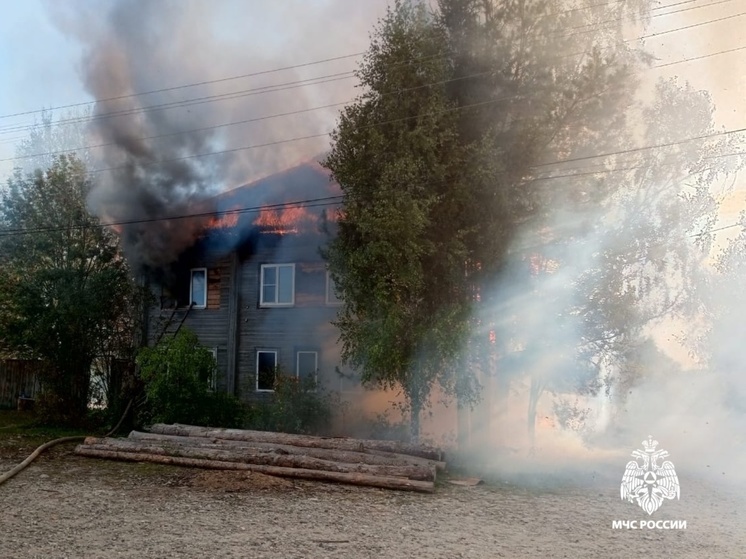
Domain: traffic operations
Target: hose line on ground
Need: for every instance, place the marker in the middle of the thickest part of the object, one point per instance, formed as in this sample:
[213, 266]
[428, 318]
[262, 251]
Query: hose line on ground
[34, 455]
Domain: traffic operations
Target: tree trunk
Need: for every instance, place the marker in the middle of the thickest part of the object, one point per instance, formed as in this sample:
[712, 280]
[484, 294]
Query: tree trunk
[353, 478]
[263, 458]
[356, 445]
[348, 456]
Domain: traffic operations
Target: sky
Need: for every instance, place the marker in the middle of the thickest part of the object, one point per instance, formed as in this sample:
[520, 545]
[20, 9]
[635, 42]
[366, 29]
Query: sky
[42, 52]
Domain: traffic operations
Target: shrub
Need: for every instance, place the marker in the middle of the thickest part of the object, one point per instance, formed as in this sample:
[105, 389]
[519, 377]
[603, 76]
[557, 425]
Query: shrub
[177, 374]
[296, 406]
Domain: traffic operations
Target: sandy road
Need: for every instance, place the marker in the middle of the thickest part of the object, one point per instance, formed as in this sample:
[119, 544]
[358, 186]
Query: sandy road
[67, 506]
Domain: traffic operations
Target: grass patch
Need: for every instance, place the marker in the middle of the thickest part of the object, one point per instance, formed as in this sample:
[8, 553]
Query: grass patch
[23, 429]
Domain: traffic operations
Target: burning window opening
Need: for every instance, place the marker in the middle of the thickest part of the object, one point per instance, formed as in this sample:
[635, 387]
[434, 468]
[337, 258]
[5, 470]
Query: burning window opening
[291, 220]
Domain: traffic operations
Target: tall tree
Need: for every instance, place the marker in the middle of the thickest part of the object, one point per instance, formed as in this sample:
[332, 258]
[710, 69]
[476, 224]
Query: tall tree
[64, 283]
[399, 252]
[560, 242]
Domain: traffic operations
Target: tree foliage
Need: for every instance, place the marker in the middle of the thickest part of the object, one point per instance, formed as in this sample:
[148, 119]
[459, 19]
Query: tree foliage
[496, 207]
[64, 283]
[395, 256]
[178, 373]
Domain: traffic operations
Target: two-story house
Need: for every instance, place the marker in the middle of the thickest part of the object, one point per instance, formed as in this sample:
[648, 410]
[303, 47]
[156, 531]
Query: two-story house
[255, 289]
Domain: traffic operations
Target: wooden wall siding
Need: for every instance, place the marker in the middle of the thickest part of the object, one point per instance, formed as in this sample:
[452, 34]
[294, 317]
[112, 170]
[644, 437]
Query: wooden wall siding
[302, 327]
[213, 288]
[18, 377]
[237, 327]
[210, 324]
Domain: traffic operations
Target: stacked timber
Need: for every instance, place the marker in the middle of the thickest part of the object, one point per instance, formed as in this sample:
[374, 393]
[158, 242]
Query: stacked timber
[385, 464]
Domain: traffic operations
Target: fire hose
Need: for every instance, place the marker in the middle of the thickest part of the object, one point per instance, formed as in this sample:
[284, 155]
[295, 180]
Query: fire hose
[34, 455]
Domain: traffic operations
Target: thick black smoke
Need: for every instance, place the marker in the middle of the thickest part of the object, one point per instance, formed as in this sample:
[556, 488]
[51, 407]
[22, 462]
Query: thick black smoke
[152, 162]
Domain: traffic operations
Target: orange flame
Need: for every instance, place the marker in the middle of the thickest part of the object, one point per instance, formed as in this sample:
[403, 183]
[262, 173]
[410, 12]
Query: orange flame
[224, 221]
[285, 221]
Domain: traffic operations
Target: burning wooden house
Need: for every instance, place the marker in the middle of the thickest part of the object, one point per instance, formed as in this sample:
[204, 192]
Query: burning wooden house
[255, 289]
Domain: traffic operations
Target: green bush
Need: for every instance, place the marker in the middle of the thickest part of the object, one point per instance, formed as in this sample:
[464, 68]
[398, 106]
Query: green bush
[177, 374]
[296, 406]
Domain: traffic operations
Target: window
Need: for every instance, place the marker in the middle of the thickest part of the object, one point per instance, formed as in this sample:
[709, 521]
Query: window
[198, 288]
[277, 285]
[306, 364]
[332, 297]
[266, 366]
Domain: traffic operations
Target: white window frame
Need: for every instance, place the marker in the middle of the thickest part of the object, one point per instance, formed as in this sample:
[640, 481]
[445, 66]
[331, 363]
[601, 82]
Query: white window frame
[262, 302]
[256, 369]
[316, 365]
[203, 305]
[212, 382]
[331, 302]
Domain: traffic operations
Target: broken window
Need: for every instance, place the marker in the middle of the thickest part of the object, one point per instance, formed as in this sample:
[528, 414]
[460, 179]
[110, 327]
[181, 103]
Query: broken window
[266, 367]
[277, 285]
[198, 288]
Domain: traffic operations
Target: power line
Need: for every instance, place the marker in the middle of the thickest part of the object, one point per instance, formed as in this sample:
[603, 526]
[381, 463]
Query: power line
[256, 119]
[184, 86]
[309, 203]
[659, 33]
[300, 111]
[273, 88]
[641, 148]
[297, 83]
[242, 76]
[698, 57]
[319, 80]
[301, 138]
[692, 8]
[620, 19]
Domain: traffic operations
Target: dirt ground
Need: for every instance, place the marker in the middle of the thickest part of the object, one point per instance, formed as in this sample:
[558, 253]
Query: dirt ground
[69, 506]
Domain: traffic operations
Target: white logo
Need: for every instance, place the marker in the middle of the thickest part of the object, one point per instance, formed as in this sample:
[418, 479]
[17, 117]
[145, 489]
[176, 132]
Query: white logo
[649, 484]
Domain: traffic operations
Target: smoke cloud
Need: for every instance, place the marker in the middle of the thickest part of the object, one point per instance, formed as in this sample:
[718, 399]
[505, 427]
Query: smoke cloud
[157, 157]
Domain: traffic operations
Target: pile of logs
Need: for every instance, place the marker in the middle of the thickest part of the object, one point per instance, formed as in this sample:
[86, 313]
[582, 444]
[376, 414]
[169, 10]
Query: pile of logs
[385, 464]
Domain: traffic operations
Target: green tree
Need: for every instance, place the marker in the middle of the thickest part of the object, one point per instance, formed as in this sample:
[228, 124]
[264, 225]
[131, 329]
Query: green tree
[64, 283]
[398, 254]
[473, 150]
[178, 374]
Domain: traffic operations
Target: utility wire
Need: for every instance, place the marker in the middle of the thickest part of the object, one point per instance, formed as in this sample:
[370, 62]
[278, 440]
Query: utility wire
[272, 88]
[309, 203]
[242, 76]
[698, 57]
[640, 148]
[659, 33]
[267, 117]
[256, 119]
[184, 86]
[291, 85]
[319, 80]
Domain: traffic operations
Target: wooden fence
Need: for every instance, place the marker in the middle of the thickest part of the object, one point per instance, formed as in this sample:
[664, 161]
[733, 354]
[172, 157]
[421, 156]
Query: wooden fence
[18, 377]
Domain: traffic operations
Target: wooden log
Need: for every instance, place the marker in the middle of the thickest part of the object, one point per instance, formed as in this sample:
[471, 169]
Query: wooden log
[349, 456]
[358, 445]
[353, 478]
[260, 458]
